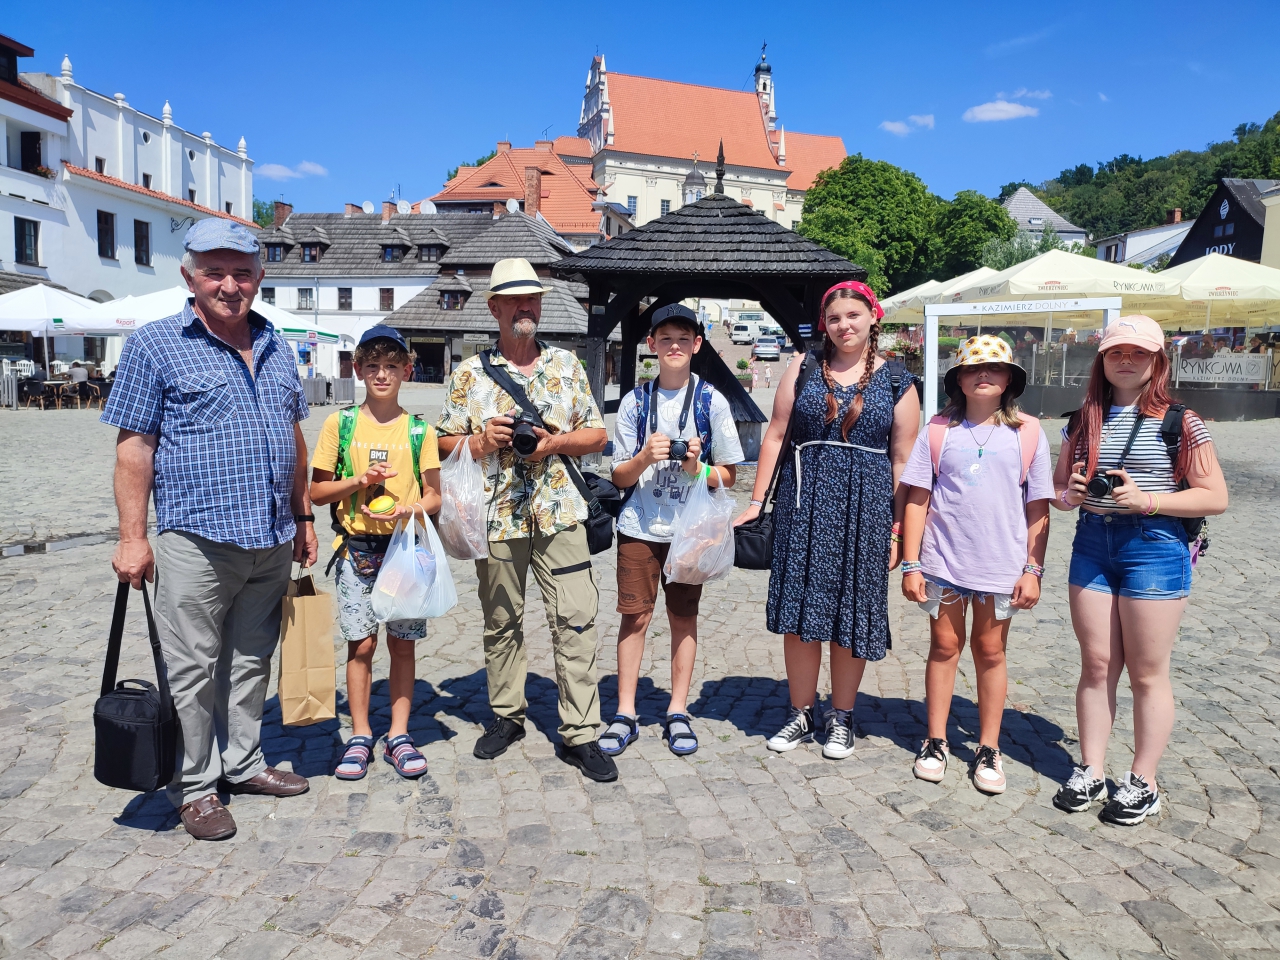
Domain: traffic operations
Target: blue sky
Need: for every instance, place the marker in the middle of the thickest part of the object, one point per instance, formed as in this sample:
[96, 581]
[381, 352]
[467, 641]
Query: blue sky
[347, 102]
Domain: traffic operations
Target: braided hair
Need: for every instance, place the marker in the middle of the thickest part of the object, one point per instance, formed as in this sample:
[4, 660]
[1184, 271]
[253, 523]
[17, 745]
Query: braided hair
[868, 364]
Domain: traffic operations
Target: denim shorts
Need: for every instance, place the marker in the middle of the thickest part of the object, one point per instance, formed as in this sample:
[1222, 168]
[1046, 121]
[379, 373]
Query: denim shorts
[939, 591]
[1131, 555]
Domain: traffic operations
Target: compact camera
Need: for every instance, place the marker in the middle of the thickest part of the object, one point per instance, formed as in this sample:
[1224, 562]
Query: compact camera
[1102, 485]
[679, 450]
[523, 440]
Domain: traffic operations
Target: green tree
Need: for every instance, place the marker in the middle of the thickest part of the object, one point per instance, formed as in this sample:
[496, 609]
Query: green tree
[877, 215]
[453, 172]
[964, 227]
[264, 212]
[999, 254]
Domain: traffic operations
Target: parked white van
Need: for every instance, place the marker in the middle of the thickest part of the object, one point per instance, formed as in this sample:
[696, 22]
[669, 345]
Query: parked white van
[745, 331]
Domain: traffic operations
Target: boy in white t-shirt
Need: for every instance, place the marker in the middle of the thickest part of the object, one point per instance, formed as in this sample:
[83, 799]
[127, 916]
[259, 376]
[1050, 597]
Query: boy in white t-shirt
[668, 434]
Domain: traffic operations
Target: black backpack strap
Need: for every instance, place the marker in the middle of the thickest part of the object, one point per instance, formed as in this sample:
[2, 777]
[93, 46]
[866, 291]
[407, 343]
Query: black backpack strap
[116, 637]
[1171, 429]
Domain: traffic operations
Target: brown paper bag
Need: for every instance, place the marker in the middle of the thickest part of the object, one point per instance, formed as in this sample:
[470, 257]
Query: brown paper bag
[307, 692]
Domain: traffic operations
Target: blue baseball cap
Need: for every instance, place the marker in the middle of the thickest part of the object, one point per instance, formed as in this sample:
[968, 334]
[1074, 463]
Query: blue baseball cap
[675, 313]
[217, 233]
[383, 332]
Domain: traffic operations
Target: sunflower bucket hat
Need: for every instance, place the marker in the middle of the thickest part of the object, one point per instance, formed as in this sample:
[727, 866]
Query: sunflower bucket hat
[985, 349]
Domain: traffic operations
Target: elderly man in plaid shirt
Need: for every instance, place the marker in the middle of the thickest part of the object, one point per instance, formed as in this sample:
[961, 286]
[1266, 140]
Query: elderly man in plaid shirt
[208, 404]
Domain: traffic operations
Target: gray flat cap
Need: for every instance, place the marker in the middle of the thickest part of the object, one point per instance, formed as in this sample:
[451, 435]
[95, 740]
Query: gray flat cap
[216, 233]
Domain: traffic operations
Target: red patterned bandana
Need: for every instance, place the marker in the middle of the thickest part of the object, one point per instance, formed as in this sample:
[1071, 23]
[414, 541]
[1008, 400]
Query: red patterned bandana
[856, 286]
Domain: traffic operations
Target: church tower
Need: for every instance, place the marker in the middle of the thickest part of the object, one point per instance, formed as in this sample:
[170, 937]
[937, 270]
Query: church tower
[765, 92]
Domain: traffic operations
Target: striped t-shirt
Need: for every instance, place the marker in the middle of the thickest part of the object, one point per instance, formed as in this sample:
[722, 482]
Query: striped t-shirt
[1148, 461]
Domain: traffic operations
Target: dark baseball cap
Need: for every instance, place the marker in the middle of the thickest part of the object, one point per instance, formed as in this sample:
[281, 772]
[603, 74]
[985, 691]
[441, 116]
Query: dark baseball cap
[675, 313]
[384, 332]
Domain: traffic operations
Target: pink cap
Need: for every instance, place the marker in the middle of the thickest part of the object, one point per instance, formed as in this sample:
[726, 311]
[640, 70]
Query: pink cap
[1135, 331]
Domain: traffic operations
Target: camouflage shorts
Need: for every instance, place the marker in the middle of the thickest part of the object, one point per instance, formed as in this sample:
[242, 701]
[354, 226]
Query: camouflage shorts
[354, 580]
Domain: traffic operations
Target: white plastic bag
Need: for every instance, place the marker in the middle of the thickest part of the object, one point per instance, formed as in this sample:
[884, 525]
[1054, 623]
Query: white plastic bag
[464, 526]
[409, 570]
[443, 595]
[702, 546]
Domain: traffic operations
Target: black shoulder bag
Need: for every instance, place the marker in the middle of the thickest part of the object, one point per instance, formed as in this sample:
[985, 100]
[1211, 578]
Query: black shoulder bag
[753, 540]
[135, 724]
[595, 489]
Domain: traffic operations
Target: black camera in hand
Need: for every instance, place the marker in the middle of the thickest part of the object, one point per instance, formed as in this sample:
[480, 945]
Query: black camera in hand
[679, 450]
[523, 440]
[1102, 485]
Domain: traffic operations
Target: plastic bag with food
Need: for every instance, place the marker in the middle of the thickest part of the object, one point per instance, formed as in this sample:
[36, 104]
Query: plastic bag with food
[702, 545]
[409, 571]
[464, 527]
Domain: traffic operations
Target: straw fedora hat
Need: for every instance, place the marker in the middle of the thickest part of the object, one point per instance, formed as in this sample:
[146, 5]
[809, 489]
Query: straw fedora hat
[513, 277]
[985, 349]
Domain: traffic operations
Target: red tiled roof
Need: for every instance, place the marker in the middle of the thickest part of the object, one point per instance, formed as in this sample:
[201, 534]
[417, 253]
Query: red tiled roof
[155, 194]
[571, 147]
[808, 154]
[669, 119]
[25, 95]
[567, 191]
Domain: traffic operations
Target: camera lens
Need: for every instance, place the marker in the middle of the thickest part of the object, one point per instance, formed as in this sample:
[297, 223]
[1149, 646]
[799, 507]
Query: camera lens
[679, 450]
[1099, 486]
[523, 440]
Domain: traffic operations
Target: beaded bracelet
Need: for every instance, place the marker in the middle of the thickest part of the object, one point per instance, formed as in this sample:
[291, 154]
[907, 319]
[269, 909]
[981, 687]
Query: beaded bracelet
[910, 566]
[1035, 569]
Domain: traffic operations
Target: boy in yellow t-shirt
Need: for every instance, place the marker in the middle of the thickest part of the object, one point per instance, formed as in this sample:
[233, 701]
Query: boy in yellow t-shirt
[378, 461]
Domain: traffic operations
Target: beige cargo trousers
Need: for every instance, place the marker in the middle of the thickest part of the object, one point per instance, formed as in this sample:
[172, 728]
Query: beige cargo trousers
[561, 564]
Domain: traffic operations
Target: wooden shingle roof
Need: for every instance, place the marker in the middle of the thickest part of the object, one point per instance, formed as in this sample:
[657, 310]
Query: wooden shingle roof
[715, 236]
[511, 235]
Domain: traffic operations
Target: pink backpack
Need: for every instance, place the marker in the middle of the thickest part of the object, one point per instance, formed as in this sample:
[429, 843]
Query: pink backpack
[1028, 436]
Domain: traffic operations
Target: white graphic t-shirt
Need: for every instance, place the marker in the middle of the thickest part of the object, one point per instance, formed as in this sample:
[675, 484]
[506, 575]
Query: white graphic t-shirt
[651, 511]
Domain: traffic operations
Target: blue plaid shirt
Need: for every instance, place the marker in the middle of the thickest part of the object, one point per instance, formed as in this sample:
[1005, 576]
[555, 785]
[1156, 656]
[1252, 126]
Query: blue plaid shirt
[226, 457]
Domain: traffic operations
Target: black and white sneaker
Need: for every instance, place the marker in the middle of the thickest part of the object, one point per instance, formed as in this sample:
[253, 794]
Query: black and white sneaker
[1080, 790]
[840, 740]
[1133, 802]
[797, 730]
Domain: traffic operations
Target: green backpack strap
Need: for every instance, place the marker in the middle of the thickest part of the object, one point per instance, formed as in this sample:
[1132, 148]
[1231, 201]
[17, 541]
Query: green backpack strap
[344, 469]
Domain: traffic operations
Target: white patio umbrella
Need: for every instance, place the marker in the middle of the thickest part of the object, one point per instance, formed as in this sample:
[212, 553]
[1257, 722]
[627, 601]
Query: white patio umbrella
[41, 309]
[908, 306]
[1217, 287]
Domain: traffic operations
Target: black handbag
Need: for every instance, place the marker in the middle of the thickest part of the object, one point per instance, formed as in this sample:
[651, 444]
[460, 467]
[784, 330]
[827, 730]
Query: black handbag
[603, 498]
[134, 722]
[753, 540]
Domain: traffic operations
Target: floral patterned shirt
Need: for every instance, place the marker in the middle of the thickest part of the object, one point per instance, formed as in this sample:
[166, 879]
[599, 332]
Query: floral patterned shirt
[525, 497]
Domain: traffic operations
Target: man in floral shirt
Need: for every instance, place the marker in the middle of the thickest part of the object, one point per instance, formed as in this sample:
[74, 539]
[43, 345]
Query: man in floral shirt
[536, 518]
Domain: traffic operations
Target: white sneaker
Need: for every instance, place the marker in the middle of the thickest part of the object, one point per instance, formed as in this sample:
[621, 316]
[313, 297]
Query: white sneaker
[1134, 801]
[797, 730]
[988, 771]
[931, 761]
[840, 739]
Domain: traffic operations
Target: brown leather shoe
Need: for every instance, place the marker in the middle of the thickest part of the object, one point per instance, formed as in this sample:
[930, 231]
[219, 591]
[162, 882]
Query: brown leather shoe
[272, 783]
[208, 819]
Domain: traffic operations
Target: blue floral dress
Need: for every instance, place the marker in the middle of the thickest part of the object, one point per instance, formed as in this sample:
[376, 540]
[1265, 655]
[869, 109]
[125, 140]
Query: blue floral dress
[830, 572]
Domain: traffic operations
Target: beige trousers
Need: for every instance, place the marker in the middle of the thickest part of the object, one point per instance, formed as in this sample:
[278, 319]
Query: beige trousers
[562, 566]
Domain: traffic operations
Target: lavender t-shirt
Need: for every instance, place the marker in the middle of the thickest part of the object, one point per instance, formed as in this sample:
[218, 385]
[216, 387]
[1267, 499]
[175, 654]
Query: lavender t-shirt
[976, 532]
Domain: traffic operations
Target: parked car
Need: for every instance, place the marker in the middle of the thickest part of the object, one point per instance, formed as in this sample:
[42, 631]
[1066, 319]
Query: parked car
[767, 348]
[744, 332]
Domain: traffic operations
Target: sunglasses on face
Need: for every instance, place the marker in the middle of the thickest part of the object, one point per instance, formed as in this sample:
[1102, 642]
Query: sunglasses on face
[1132, 354]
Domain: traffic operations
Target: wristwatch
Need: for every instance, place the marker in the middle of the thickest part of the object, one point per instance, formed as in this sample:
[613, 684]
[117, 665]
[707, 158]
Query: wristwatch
[304, 518]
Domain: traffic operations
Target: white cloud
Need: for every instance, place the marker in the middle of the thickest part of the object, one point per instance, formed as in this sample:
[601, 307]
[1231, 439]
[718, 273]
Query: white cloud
[999, 110]
[1022, 93]
[1102, 96]
[1014, 43]
[896, 127]
[922, 120]
[278, 171]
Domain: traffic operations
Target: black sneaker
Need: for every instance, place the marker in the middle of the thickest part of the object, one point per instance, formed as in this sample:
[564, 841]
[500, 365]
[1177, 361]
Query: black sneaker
[797, 730]
[1133, 802]
[1080, 790]
[594, 764]
[498, 735]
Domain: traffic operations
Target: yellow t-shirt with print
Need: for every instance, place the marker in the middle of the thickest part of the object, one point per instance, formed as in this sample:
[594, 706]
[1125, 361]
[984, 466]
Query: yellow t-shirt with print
[372, 442]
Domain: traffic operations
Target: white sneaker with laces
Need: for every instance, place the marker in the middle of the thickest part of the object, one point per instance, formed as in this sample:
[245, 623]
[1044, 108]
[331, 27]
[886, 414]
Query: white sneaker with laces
[1133, 802]
[840, 739]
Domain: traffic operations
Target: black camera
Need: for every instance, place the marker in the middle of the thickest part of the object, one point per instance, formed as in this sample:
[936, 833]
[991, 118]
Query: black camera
[523, 440]
[1102, 485]
[679, 450]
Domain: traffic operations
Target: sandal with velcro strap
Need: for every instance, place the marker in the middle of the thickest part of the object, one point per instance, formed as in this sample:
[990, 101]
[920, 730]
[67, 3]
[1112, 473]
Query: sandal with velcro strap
[679, 735]
[620, 734]
[355, 757]
[404, 756]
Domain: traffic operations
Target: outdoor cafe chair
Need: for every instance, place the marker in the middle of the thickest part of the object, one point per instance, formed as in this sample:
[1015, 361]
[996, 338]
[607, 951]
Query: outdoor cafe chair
[45, 397]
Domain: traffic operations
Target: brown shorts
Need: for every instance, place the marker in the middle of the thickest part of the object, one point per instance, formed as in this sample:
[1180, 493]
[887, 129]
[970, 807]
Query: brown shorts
[639, 573]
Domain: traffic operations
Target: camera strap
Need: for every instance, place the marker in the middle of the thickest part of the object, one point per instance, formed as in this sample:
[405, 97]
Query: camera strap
[684, 411]
[1133, 435]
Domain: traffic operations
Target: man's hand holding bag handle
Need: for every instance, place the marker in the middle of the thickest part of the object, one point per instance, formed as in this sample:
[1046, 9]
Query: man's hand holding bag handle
[135, 725]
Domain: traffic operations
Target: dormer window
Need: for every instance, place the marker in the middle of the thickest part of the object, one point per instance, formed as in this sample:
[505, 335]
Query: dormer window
[311, 253]
[275, 252]
[430, 252]
[451, 300]
[392, 254]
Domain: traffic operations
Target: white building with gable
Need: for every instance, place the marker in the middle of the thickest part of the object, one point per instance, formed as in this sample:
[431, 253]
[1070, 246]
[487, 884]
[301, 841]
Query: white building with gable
[96, 195]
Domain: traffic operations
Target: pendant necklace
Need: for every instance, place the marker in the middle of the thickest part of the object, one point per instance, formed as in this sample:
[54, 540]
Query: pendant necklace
[976, 467]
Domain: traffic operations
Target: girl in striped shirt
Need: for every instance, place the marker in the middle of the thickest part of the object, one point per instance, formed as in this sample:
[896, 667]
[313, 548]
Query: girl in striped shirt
[1130, 560]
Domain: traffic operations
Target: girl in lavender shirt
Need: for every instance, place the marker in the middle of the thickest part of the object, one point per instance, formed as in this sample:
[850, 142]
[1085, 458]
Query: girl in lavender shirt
[975, 537]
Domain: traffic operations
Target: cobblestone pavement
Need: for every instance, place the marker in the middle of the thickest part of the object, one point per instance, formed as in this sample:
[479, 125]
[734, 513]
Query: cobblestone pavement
[732, 854]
